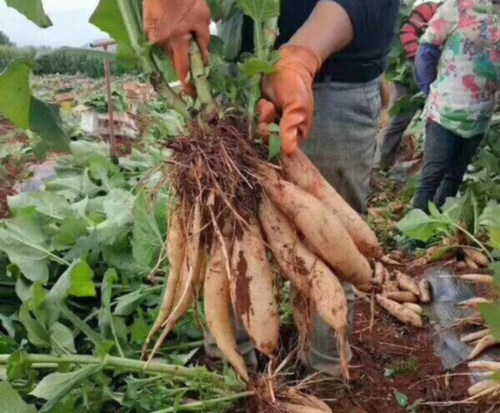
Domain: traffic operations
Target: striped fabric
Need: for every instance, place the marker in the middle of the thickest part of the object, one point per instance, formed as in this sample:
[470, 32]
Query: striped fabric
[416, 25]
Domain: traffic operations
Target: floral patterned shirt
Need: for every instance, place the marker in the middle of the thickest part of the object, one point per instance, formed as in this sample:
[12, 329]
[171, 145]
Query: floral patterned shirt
[462, 98]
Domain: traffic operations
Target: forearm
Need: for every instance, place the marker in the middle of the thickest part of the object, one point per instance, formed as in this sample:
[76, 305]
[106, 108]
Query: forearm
[426, 64]
[327, 31]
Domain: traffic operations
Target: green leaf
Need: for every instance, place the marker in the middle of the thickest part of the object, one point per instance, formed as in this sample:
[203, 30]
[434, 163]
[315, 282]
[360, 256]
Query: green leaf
[71, 230]
[17, 366]
[15, 92]
[260, 10]
[62, 339]
[11, 401]
[32, 10]
[254, 66]
[434, 211]
[140, 329]
[46, 122]
[72, 186]
[418, 225]
[128, 303]
[7, 345]
[37, 334]
[496, 274]
[491, 314]
[147, 240]
[401, 398]
[49, 204]
[108, 18]
[118, 207]
[274, 146]
[56, 386]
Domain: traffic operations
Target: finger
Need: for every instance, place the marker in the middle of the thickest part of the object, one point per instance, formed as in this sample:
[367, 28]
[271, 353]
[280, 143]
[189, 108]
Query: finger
[203, 38]
[266, 111]
[180, 54]
[292, 127]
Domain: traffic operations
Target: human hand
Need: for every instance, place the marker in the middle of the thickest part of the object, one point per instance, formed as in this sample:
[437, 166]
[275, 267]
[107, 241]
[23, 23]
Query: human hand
[289, 93]
[172, 24]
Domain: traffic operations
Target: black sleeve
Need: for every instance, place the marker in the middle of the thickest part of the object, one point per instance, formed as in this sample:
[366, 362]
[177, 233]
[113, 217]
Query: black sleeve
[369, 16]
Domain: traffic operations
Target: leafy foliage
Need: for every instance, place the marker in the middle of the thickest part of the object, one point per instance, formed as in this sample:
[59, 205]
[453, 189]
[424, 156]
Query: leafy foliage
[32, 10]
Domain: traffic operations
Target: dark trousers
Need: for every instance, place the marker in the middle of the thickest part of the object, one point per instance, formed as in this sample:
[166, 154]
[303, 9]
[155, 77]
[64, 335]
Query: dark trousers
[446, 158]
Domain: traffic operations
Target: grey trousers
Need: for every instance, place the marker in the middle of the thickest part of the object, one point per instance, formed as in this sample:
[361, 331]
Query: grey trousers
[342, 145]
[395, 128]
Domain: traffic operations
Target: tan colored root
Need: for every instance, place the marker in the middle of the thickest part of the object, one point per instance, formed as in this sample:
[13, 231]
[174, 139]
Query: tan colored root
[379, 273]
[425, 291]
[471, 263]
[477, 335]
[483, 388]
[176, 250]
[407, 283]
[485, 365]
[479, 258]
[478, 278]
[403, 314]
[302, 172]
[302, 315]
[474, 302]
[390, 283]
[189, 280]
[482, 345]
[218, 309]
[322, 229]
[414, 307]
[307, 273]
[389, 261]
[252, 289]
[297, 408]
[401, 296]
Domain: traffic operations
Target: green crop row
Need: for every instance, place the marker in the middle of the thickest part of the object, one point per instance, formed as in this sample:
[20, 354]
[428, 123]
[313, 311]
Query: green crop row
[62, 62]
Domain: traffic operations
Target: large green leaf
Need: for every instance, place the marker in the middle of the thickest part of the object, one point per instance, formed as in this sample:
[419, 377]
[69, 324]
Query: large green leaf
[260, 10]
[49, 204]
[491, 314]
[11, 401]
[62, 340]
[56, 386]
[27, 112]
[71, 230]
[33, 10]
[37, 334]
[108, 18]
[418, 225]
[15, 93]
[24, 242]
[147, 240]
[118, 207]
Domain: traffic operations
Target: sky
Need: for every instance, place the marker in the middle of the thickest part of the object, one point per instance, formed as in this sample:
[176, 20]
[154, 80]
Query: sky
[70, 24]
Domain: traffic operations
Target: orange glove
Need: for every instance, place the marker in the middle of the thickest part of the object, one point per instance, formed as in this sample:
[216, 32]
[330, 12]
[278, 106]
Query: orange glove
[172, 24]
[289, 92]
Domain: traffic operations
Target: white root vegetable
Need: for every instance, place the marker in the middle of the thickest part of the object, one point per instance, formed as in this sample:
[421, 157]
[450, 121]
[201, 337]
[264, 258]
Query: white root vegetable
[322, 229]
[379, 273]
[217, 299]
[414, 307]
[189, 281]
[484, 365]
[302, 315]
[476, 335]
[306, 272]
[474, 302]
[407, 283]
[476, 256]
[252, 289]
[471, 263]
[390, 283]
[297, 408]
[176, 249]
[403, 314]
[483, 388]
[478, 278]
[302, 172]
[387, 260]
[425, 291]
[483, 344]
[401, 296]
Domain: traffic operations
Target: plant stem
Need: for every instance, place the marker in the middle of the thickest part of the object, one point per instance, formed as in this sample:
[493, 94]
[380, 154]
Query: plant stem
[199, 74]
[123, 363]
[473, 238]
[172, 100]
[207, 403]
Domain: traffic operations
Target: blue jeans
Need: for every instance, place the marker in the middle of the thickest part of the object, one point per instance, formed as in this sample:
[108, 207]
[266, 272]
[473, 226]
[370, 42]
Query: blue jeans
[446, 158]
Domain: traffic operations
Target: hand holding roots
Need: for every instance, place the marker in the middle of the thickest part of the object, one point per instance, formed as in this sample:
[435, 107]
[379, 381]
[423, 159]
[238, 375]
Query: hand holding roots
[235, 208]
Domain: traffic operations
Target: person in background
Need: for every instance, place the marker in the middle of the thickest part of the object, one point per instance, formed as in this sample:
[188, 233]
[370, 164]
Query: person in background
[458, 67]
[410, 33]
